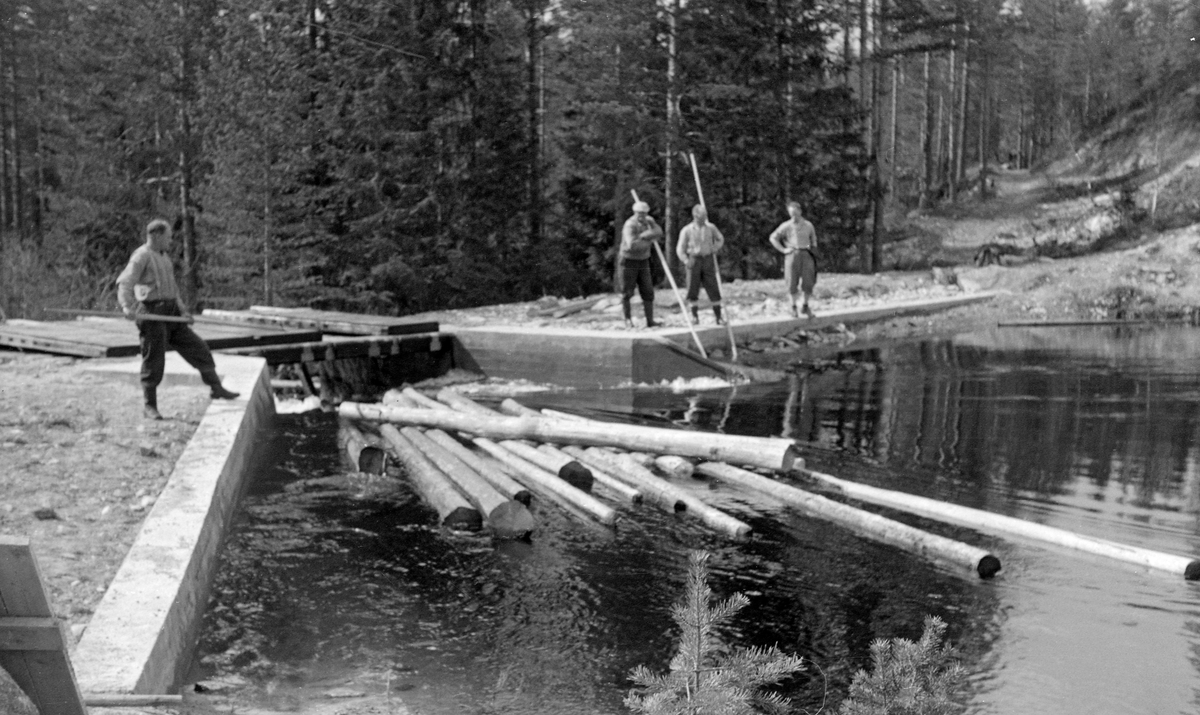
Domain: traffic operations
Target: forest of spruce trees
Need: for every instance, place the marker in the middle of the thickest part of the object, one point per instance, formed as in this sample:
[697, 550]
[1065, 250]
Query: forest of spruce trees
[396, 156]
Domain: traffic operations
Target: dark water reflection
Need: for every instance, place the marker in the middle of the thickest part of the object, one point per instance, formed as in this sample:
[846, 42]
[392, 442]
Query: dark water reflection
[331, 583]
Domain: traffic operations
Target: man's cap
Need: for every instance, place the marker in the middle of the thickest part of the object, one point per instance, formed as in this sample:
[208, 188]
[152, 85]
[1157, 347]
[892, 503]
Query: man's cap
[641, 206]
[157, 225]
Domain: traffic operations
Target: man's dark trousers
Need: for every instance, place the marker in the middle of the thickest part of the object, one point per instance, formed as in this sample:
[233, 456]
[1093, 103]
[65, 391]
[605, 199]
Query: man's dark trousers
[156, 336]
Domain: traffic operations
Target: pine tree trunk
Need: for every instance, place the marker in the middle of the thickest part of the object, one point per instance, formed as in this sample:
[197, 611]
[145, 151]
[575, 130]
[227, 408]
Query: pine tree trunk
[17, 183]
[926, 137]
[876, 136]
[672, 132]
[952, 189]
[895, 128]
[959, 160]
[191, 282]
[5, 101]
[533, 103]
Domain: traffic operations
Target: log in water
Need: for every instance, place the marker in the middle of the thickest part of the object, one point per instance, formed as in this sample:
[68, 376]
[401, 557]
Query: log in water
[365, 456]
[454, 511]
[986, 521]
[866, 524]
[765, 452]
[507, 518]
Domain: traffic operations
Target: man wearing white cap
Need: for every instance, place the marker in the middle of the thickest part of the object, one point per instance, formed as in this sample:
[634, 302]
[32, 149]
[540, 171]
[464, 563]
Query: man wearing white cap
[147, 287]
[637, 239]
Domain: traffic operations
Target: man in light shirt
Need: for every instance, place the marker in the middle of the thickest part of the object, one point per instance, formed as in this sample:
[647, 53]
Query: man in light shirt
[147, 288]
[796, 239]
[697, 248]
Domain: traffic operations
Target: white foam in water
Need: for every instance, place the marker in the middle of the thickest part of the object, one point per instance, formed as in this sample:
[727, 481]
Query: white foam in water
[290, 406]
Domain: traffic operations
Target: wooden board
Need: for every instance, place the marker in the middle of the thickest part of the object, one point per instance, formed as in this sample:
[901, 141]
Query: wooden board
[342, 348]
[326, 321]
[33, 646]
[106, 337]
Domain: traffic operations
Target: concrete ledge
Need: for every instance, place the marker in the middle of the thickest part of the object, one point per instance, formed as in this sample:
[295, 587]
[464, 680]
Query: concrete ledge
[578, 358]
[142, 635]
[718, 337]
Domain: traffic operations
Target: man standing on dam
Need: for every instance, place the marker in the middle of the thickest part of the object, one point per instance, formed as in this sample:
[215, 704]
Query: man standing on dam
[147, 288]
[796, 239]
[697, 249]
[633, 258]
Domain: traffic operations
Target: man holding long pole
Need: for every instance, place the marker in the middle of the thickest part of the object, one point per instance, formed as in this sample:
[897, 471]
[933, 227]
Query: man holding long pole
[698, 244]
[147, 289]
[637, 241]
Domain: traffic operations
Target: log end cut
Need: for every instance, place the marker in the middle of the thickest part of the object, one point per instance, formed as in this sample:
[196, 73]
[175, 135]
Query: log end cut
[511, 520]
[372, 460]
[989, 566]
[463, 519]
[577, 475]
[1192, 571]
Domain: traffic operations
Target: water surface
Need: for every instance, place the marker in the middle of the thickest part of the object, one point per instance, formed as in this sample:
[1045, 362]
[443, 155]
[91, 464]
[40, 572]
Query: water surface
[334, 583]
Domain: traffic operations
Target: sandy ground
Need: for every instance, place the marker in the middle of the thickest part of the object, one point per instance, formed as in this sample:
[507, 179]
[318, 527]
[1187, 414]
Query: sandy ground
[82, 467]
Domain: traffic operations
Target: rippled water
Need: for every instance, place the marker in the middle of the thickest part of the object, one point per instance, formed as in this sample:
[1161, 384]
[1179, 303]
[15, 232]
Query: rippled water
[333, 583]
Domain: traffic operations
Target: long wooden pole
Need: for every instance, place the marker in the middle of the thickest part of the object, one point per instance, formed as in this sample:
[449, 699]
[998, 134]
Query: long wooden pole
[987, 521]
[675, 288]
[765, 452]
[716, 264]
[868, 525]
[139, 316]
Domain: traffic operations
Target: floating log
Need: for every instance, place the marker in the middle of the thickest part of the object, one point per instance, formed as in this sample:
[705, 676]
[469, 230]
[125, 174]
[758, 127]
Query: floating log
[547, 484]
[567, 468]
[669, 464]
[461, 402]
[365, 456]
[434, 487]
[866, 524]
[507, 518]
[987, 521]
[668, 495]
[615, 487]
[498, 478]
[765, 452]
[554, 462]
[653, 490]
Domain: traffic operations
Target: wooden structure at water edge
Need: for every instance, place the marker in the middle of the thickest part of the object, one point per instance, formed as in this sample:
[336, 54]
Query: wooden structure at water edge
[603, 472]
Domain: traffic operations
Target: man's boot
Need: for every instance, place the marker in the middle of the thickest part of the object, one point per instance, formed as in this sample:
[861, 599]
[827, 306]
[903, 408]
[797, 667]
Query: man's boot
[717, 312]
[650, 316]
[150, 409]
[217, 390]
[695, 315]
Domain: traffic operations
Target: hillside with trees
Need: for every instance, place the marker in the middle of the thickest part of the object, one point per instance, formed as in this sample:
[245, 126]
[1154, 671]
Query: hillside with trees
[397, 157]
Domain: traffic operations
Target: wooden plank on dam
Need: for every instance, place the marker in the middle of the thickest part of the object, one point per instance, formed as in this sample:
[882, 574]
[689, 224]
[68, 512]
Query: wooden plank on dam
[105, 337]
[328, 321]
[343, 348]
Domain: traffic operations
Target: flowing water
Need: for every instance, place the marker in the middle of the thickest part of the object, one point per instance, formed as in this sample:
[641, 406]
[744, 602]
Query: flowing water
[335, 584]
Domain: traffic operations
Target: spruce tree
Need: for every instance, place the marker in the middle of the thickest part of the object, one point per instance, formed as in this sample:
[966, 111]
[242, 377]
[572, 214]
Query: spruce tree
[702, 680]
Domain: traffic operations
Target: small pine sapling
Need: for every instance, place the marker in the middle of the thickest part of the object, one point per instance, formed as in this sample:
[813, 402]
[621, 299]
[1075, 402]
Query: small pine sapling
[908, 678]
[701, 680]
